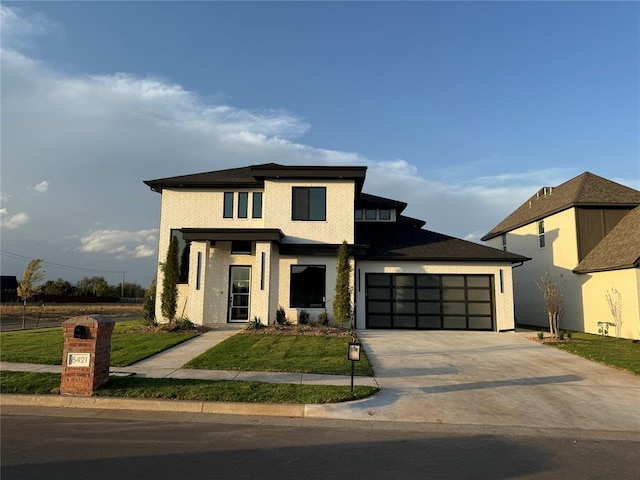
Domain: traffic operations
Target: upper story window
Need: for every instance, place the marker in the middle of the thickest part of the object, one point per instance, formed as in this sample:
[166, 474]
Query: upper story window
[541, 240]
[358, 214]
[384, 214]
[256, 208]
[372, 214]
[369, 214]
[243, 204]
[228, 205]
[503, 238]
[309, 203]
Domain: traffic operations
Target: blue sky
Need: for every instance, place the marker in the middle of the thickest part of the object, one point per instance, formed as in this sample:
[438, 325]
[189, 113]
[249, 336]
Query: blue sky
[463, 110]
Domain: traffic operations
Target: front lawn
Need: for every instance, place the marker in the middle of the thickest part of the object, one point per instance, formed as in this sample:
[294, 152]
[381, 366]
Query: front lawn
[35, 383]
[282, 353]
[130, 343]
[616, 352]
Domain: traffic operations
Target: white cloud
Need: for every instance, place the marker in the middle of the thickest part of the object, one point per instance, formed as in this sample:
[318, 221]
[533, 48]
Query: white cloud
[11, 222]
[42, 186]
[121, 243]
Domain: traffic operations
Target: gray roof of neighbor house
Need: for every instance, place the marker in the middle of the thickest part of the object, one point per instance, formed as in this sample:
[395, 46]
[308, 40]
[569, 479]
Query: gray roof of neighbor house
[405, 240]
[618, 250]
[253, 176]
[584, 190]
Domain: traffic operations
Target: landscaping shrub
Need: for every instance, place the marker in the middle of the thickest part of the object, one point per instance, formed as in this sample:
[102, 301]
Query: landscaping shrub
[303, 317]
[281, 317]
[323, 319]
[255, 324]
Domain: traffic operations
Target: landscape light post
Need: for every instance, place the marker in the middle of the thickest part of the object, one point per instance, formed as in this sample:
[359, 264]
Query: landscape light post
[353, 354]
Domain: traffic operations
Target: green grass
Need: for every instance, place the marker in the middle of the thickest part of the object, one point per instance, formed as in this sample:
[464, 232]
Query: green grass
[202, 390]
[615, 352]
[282, 353]
[127, 346]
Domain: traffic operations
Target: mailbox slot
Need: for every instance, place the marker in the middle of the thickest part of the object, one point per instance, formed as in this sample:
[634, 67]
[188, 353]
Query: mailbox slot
[80, 331]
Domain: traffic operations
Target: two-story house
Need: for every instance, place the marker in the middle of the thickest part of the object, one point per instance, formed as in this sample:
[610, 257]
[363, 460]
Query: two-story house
[255, 238]
[587, 230]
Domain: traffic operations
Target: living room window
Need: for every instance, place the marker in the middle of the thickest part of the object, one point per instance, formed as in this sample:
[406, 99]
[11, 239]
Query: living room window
[307, 286]
[309, 203]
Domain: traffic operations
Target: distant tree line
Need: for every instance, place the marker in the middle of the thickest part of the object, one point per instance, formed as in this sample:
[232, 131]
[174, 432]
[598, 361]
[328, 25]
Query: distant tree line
[91, 287]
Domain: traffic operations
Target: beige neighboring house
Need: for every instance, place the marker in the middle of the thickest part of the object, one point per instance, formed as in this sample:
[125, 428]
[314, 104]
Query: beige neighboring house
[588, 231]
[255, 238]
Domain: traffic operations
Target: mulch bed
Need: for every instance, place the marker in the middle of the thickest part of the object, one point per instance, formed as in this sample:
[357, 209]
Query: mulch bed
[316, 330]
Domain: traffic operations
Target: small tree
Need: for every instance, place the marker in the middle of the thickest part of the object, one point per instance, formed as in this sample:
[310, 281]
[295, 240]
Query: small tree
[553, 297]
[342, 298]
[149, 305]
[27, 288]
[171, 272]
[614, 300]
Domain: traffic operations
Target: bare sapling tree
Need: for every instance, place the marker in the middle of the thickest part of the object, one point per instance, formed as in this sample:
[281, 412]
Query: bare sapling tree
[342, 299]
[614, 300]
[28, 287]
[553, 298]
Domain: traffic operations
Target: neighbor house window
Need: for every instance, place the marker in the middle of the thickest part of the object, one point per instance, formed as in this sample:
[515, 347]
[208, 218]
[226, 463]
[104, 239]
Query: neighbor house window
[228, 205]
[385, 214]
[256, 210]
[309, 203]
[503, 237]
[243, 204]
[358, 214]
[370, 214]
[307, 286]
[541, 242]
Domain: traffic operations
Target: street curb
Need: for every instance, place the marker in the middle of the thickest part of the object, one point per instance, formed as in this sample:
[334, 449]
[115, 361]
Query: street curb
[185, 406]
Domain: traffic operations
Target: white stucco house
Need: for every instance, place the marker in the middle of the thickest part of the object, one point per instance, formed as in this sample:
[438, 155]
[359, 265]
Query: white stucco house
[259, 237]
[587, 230]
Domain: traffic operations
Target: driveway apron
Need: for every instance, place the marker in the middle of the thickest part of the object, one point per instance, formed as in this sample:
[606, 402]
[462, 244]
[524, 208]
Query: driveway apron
[485, 378]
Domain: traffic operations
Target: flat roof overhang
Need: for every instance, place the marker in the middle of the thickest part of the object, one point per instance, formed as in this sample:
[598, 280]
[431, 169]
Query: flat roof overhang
[232, 234]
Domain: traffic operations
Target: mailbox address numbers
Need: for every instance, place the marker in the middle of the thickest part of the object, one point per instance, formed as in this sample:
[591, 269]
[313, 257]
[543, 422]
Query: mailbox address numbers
[78, 359]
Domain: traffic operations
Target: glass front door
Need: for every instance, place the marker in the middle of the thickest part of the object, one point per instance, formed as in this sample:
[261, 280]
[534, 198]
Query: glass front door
[239, 290]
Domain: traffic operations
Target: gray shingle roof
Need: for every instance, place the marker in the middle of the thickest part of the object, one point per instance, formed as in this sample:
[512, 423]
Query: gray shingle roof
[618, 250]
[406, 241]
[584, 190]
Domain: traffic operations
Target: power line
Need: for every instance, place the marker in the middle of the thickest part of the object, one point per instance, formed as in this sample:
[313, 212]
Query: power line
[58, 265]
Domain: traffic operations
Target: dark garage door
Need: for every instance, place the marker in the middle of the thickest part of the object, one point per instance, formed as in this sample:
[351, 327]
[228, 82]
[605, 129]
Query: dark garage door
[422, 301]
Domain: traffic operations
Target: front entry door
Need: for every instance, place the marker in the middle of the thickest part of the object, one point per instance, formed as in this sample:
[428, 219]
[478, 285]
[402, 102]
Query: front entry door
[239, 290]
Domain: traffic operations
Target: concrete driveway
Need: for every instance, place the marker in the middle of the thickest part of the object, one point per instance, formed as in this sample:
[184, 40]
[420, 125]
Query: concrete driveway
[485, 378]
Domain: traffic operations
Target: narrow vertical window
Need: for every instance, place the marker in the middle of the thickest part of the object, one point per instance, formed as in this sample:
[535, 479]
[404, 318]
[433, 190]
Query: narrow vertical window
[243, 204]
[198, 270]
[504, 242]
[501, 281]
[256, 210]
[228, 205]
[262, 268]
[541, 240]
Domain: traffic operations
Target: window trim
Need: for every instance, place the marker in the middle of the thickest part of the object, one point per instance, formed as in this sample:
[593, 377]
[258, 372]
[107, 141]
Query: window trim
[256, 199]
[297, 214]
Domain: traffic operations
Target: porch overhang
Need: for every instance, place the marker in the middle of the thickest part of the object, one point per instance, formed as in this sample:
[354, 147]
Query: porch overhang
[232, 234]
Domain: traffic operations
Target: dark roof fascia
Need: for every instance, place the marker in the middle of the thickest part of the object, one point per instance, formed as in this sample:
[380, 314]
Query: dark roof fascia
[558, 210]
[311, 172]
[444, 259]
[159, 185]
[636, 264]
[318, 249]
[231, 234]
[380, 202]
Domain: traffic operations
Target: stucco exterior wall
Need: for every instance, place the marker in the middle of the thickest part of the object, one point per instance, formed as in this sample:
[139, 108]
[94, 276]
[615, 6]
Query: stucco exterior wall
[559, 257]
[503, 299]
[339, 223]
[596, 286]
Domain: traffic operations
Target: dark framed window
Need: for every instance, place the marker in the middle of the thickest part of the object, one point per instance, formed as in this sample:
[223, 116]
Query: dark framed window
[307, 286]
[370, 214]
[243, 204]
[309, 203]
[228, 205]
[358, 214]
[503, 237]
[241, 247]
[198, 270]
[256, 207]
[385, 214]
[541, 240]
[183, 255]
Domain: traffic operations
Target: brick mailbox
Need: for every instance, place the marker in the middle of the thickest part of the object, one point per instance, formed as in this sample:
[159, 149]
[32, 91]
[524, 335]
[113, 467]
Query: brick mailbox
[86, 355]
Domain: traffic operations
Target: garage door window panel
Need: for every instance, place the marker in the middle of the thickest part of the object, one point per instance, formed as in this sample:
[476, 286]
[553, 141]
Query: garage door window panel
[429, 322]
[480, 323]
[449, 308]
[401, 321]
[379, 307]
[380, 321]
[454, 323]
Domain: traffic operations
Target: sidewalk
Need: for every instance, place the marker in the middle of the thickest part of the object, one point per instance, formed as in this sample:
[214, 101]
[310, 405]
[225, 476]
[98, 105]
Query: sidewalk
[168, 364]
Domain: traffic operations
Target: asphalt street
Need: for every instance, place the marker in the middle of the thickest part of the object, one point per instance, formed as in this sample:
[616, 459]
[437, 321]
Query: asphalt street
[45, 443]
